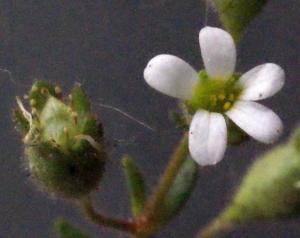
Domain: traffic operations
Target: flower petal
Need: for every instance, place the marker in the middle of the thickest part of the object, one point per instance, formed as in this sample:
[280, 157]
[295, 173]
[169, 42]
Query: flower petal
[218, 52]
[256, 120]
[207, 137]
[261, 82]
[172, 76]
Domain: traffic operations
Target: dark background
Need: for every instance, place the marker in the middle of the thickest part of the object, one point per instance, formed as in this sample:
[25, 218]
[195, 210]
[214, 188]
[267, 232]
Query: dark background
[105, 45]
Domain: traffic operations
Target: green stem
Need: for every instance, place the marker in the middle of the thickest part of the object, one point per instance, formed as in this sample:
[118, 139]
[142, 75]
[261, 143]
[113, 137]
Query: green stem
[149, 221]
[87, 207]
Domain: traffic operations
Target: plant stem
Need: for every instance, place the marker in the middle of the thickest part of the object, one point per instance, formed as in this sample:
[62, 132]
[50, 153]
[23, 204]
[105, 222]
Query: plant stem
[87, 207]
[149, 221]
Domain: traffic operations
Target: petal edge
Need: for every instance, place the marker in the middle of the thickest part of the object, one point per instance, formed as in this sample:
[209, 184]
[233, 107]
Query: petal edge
[218, 52]
[171, 76]
[261, 82]
[258, 121]
[207, 137]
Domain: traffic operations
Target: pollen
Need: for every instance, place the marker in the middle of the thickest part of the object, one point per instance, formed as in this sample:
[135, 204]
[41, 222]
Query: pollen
[57, 90]
[34, 89]
[231, 97]
[221, 96]
[44, 91]
[32, 102]
[226, 106]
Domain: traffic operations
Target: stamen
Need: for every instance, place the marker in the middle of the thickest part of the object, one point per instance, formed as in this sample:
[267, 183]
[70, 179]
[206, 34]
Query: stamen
[221, 96]
[226, 106]
[66, 132]
[71, 100]
[32, 102]
[34, 112]
[231, 97]
[44, 91]
[75, 117]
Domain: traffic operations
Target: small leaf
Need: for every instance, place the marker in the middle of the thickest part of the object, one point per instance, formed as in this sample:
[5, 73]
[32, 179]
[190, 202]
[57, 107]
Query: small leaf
[136, 185]
[67, 230]
[237, 14]
[181, 190]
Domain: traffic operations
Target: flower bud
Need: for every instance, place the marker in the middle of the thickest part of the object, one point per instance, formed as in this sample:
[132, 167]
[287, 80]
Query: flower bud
[63, 143]
[270, 191]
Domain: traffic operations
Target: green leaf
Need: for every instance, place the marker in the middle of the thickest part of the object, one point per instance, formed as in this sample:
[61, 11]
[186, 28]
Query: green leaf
[181, 190]
[237, 14]
[67, 230]
[136, 185]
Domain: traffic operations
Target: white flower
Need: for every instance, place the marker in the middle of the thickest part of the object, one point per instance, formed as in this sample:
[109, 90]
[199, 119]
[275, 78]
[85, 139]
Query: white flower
[208, 133]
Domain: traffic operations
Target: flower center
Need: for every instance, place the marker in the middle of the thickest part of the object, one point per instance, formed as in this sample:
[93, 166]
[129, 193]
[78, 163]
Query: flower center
[214, 95]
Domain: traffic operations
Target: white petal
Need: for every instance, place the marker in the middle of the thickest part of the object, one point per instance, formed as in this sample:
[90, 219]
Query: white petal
[218, 52]
[172, 76]
[207, 137]
[261, 82]
[256, 120]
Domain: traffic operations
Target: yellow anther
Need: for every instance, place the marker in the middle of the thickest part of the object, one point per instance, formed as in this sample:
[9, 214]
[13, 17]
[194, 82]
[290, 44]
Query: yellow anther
[213, 98]
[226, 106]
[32, 102]
[44, 91]
[221, 96]
[34, 89]
[57, 90]
[231, 97]
[34, 111]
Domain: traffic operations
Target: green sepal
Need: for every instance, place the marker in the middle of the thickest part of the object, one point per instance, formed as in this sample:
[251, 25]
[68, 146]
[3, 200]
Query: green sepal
[80, 102]
[90, 126]
[237, 14]
[295, 139]
[24, 124]
[65, 229]
[180, 120]
[136, 185]
[181, 190]
[39, 93]
[235, 135]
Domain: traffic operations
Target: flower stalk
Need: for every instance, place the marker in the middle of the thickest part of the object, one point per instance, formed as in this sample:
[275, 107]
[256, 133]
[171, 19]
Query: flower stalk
[87, 207]
[150, 220]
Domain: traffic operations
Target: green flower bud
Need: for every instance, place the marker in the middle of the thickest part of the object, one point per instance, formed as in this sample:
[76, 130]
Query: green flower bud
[237, 14]
[63, 143]
[270, 191]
